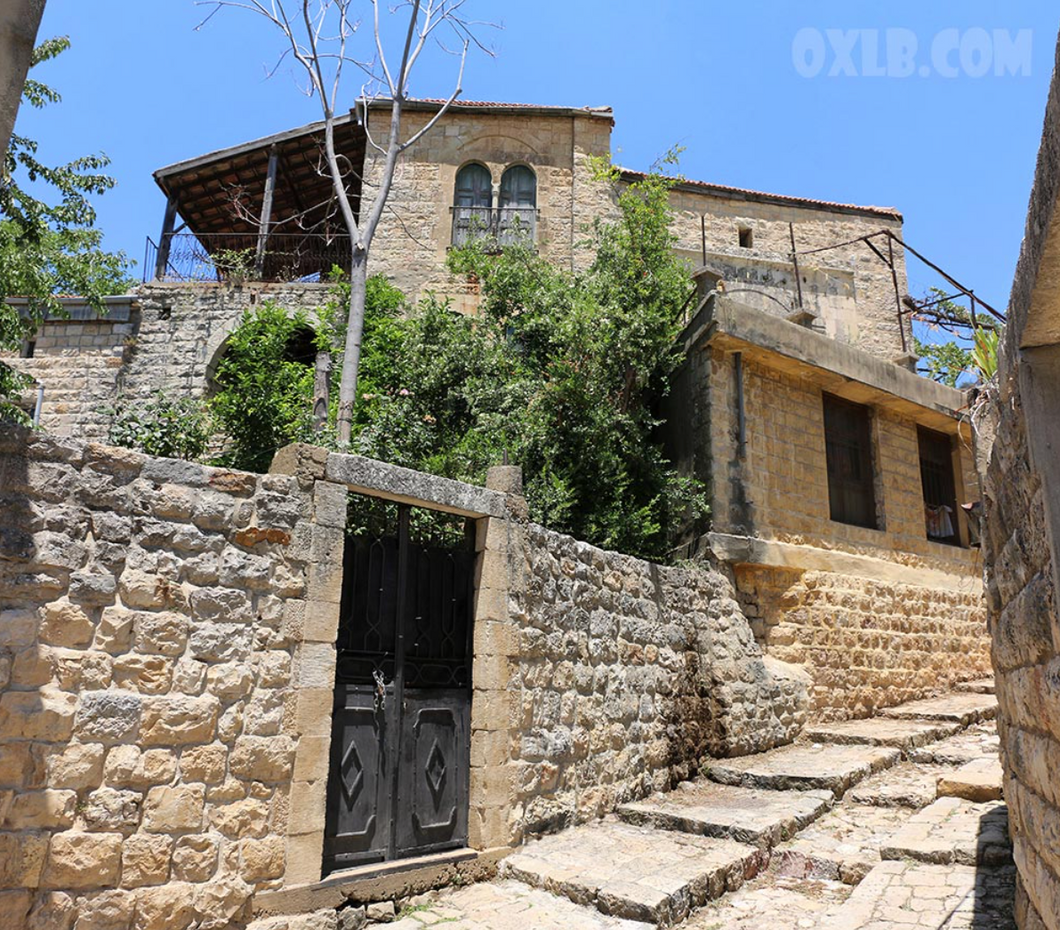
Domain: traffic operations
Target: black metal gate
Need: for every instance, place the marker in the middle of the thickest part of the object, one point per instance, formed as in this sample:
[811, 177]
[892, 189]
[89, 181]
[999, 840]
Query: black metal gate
[398, 784]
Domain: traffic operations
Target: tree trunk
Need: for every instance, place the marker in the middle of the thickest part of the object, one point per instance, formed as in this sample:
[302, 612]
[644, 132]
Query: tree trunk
[19, 21]
[321, 392]
[351, 360]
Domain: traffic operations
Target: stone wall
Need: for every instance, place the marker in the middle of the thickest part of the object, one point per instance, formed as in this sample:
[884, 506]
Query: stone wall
[151, 627]
[629, 675]
[1018, 428]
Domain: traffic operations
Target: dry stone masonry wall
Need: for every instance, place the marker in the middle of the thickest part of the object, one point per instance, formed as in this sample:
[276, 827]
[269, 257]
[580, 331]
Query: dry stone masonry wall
[148, 618]
[629, 674]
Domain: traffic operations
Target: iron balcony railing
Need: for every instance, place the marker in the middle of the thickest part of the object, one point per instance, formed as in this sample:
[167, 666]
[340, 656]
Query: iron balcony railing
[236, 257]
[499, 226]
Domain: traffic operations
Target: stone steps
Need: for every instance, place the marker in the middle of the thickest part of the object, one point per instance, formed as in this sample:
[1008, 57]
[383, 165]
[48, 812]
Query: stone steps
[979, 780]
[902, 734]
[804, 767]
[982, 686]
[952, 830]
[964, 709]
[748, 815]
[633, 872]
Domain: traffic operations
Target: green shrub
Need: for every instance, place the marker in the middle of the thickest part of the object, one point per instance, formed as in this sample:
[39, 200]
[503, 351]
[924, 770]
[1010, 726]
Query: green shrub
[178, 429]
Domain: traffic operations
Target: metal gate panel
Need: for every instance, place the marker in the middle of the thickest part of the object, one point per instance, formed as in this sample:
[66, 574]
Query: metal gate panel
[433, 777]
[360, 779]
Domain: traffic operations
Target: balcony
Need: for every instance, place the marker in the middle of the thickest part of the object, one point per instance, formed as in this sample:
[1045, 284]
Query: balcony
[498, 228]
[238, 257]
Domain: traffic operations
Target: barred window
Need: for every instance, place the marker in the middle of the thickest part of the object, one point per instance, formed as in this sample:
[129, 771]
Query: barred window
[848, 450]
[937, 480]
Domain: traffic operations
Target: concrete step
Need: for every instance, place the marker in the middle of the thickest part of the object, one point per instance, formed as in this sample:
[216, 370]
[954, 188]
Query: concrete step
[749, 815]
[803, 767]
[952, 830]
[982, 686]
[635, 872]
[507, 905]
[962, 708]
[979, 780]
[844, 845]
[897, 895]
[908, 785]
[979, 741]
[882, 731]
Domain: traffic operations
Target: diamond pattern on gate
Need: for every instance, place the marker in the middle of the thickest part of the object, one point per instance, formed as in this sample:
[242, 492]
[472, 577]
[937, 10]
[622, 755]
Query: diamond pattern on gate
[435, 771]
[351, 772]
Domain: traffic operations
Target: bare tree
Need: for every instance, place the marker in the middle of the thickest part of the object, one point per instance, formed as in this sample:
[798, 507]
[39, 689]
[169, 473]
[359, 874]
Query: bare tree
[19, 21]
[319, 37]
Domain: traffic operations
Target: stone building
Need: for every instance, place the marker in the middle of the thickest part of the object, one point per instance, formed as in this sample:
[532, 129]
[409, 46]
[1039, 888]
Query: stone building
[1018, 431]
[836, 474]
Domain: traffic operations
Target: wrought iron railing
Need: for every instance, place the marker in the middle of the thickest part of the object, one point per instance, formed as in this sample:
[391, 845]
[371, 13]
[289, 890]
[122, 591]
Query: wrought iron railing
[499, 227]
[235, 257]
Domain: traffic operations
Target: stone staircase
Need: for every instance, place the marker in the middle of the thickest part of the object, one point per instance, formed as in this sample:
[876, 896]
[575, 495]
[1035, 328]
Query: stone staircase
[759, 841]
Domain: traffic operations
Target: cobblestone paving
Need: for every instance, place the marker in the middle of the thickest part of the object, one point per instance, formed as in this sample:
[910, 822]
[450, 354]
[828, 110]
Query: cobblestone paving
[772, 902]
[902, 895]
[953, 830]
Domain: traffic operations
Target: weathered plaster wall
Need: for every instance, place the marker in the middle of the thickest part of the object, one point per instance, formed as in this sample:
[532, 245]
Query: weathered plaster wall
[628, 675]
[154, 618]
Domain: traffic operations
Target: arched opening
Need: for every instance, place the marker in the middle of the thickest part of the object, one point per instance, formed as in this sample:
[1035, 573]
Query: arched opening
[518, 206]
[472, 203]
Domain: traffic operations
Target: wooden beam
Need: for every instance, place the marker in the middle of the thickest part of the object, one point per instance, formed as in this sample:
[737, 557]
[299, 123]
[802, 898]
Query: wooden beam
[266, 210]
[166, 239]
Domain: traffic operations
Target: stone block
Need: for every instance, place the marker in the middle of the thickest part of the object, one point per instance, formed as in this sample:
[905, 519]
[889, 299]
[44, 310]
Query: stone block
[195, 858]
[246, 818]
[312, 758]
[40, 810]
[145, 860]
[316, 665]
[18, 627]
[221, 642]
[82, 861]
[266, 759]
[173, 810]
[225, 605]
[14, 909]
[163, 633]
[109, 809]
[46, 715]
[204, 764]
[166, 907]
[178, 720]
[65, 624]
[261, 859]
[108, 716]
[53, 910]
[147, 674]
[978, 781]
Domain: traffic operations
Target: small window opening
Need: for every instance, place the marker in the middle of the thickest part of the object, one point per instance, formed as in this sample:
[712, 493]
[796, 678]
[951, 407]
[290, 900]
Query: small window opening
[940, 493]
[747, 237]
[28, 348]
[848, 451]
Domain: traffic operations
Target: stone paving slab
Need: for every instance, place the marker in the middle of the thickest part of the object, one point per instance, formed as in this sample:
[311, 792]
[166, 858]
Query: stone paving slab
[844, 845]
[771, 902]
[801, 767]
[952, 830]
[982, 686]
[748, 815]
[634, 872]
[883, 731]
[979, 780]
[974, 743]
[507, 905]
[907, 785]
[904, 895]
[960, 707]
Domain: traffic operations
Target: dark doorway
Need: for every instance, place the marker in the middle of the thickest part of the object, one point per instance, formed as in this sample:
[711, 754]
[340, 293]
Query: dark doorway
[400, 743]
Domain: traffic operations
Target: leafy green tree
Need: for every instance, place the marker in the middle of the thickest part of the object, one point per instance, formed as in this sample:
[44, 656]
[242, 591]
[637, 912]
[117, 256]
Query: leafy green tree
[173, 428]
[946, 361]
[49, 248]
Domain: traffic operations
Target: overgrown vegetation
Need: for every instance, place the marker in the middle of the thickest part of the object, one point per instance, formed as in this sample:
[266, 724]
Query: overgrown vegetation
[178, 429]
[559, 373]
[48, 248]
[969, 352]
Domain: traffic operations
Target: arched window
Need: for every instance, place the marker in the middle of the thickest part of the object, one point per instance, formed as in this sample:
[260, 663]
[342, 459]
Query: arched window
[518, 213]
[472, 203]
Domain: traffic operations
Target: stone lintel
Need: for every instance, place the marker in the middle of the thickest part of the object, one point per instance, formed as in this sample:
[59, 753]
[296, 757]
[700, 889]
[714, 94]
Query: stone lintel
[367, 476]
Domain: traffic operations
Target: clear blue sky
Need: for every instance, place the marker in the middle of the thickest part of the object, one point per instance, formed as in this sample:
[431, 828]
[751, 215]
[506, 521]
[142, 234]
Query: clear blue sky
[956, 155]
